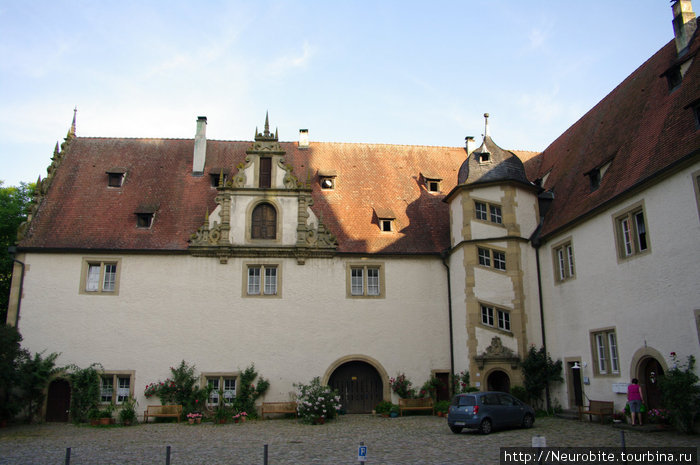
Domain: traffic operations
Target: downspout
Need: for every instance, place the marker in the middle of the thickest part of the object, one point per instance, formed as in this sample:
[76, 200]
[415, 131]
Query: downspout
[536, 243]
[449, 309]
[12, 250]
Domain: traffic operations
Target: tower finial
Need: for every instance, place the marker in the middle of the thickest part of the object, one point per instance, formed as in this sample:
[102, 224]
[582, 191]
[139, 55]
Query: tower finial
[486, 125]
[267, 126]
[72, 126]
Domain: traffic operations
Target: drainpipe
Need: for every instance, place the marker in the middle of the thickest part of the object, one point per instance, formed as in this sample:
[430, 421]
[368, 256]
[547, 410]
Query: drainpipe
[449, 309]
[12, 250]
[544, 338]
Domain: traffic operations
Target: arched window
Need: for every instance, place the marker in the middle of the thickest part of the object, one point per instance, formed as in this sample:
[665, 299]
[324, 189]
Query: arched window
[264, 222]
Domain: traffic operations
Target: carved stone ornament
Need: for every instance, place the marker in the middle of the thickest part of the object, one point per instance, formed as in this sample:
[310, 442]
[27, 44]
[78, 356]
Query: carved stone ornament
[497, 353]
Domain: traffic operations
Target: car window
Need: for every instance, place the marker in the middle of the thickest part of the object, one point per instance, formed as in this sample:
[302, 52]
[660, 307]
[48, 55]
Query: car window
[467, 401]
[507, 400]
[490, 399]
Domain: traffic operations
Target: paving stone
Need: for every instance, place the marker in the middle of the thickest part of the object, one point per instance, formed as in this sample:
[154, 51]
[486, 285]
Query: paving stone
[408, 440]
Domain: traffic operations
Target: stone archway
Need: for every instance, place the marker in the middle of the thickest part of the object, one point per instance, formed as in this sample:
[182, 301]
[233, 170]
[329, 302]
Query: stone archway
[361, 382]
[498, 380]
[647, 366]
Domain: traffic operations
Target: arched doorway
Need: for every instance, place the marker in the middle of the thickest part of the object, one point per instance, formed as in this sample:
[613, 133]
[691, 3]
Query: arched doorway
[498, 381]
[359, 385]
[58, 401]
[650, 371]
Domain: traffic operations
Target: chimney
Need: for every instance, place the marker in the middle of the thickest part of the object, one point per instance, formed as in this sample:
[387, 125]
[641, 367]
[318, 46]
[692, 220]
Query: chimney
[200, 147]
[471, 144]
[684, 24]
[303, 138]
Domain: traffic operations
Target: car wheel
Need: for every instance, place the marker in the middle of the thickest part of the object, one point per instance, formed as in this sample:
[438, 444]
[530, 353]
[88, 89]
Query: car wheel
[456, 429]
[528, 420]
[486, 426]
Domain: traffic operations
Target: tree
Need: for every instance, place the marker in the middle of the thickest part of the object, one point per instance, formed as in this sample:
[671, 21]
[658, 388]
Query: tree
[14, 206]
[539, 371]
[681, 393]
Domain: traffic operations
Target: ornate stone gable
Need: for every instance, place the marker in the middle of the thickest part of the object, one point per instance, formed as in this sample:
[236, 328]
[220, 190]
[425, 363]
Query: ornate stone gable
[226, 231]
[497, 353]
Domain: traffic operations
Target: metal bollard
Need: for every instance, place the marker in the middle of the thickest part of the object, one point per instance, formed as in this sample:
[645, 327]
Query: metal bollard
[265, 455]
[167, 455]
[622, 439]
[68, 456]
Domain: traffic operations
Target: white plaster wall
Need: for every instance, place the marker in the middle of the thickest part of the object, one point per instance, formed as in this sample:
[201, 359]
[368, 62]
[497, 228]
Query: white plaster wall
[287, 215]
[459, 310]
[173, 308]
[526, 213]
[649, 299]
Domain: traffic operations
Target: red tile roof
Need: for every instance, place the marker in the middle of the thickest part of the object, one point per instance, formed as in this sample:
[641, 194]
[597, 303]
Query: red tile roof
[81, 212]
[641, 125]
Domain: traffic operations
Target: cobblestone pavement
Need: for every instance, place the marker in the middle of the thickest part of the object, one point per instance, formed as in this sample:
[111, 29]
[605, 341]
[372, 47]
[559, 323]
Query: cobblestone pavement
[407, 440]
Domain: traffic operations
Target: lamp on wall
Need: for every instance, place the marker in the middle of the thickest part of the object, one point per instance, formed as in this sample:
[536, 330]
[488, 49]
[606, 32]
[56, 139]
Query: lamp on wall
[576, 366]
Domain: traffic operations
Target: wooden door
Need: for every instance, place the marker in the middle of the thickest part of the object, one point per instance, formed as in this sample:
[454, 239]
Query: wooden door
[359, 386]
[652, 372]
[58, 401]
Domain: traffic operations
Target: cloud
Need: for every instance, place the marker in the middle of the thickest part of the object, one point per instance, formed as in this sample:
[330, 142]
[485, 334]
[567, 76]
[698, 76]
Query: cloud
[291, 61]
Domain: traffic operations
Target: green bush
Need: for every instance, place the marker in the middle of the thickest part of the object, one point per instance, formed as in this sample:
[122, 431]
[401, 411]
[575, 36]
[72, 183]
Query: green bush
[520, 393]
[383, 407]
[317, 403]
[249, 391]
[442, 406]
[539, 370]
[681, 393]
[85, 391]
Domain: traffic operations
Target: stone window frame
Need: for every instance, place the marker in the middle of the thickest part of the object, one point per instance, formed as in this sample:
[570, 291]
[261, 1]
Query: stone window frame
[364, 266]
[488, 212]
[493, 258]
[249, 222]
[600, 341]
[496, 311]
[221, 377]
[563, 251]
[262, 265]
[116, 375]
[102, 262]
[631, 247]
[696, 187]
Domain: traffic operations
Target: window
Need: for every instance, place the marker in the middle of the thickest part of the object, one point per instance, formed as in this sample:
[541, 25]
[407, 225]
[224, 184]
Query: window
[492, 258]
[116, 386]
[264, 222]
[502, 317]
[594, 179]
[221, 385]
[262, 280]
[366, 280]
[631, 232]
[327, 183]
[385, 225]
[99, 277]
[674, 77]
[696, 186]
[144, 220]
[265, 180]
[432, 184]
[604, 344]
[488, 212]
[115, 179]
[218, 177]
[564, 261]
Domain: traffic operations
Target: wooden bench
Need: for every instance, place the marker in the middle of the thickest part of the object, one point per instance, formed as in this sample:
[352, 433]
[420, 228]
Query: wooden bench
[596, 407]
[162, 411]
[278, 407]
[425, 403]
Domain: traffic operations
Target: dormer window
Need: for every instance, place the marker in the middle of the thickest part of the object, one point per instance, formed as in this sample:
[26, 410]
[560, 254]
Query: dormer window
[326, 179]
[386, 219]
[144, 220]
[595, 176]
[674, 77]
[115, 177]
[145, 215]
[483, 158]
[215, 177]
[432, 183]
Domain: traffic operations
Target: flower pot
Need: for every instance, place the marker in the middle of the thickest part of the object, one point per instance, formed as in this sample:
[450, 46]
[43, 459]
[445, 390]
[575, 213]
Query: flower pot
[319, 420]
[190, 421]
[198, 420]
[105, 421]
[221, 421]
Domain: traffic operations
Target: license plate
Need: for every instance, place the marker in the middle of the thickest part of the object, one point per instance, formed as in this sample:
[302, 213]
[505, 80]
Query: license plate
[459, 423]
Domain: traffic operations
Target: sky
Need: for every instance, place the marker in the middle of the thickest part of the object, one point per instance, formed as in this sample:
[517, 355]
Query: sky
[395, 72]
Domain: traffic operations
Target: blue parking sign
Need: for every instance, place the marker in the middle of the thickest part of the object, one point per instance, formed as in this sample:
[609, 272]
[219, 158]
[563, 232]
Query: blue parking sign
[362, 454]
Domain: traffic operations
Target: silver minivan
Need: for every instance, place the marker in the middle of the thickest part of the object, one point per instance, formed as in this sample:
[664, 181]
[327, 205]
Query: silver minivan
[487, 411]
